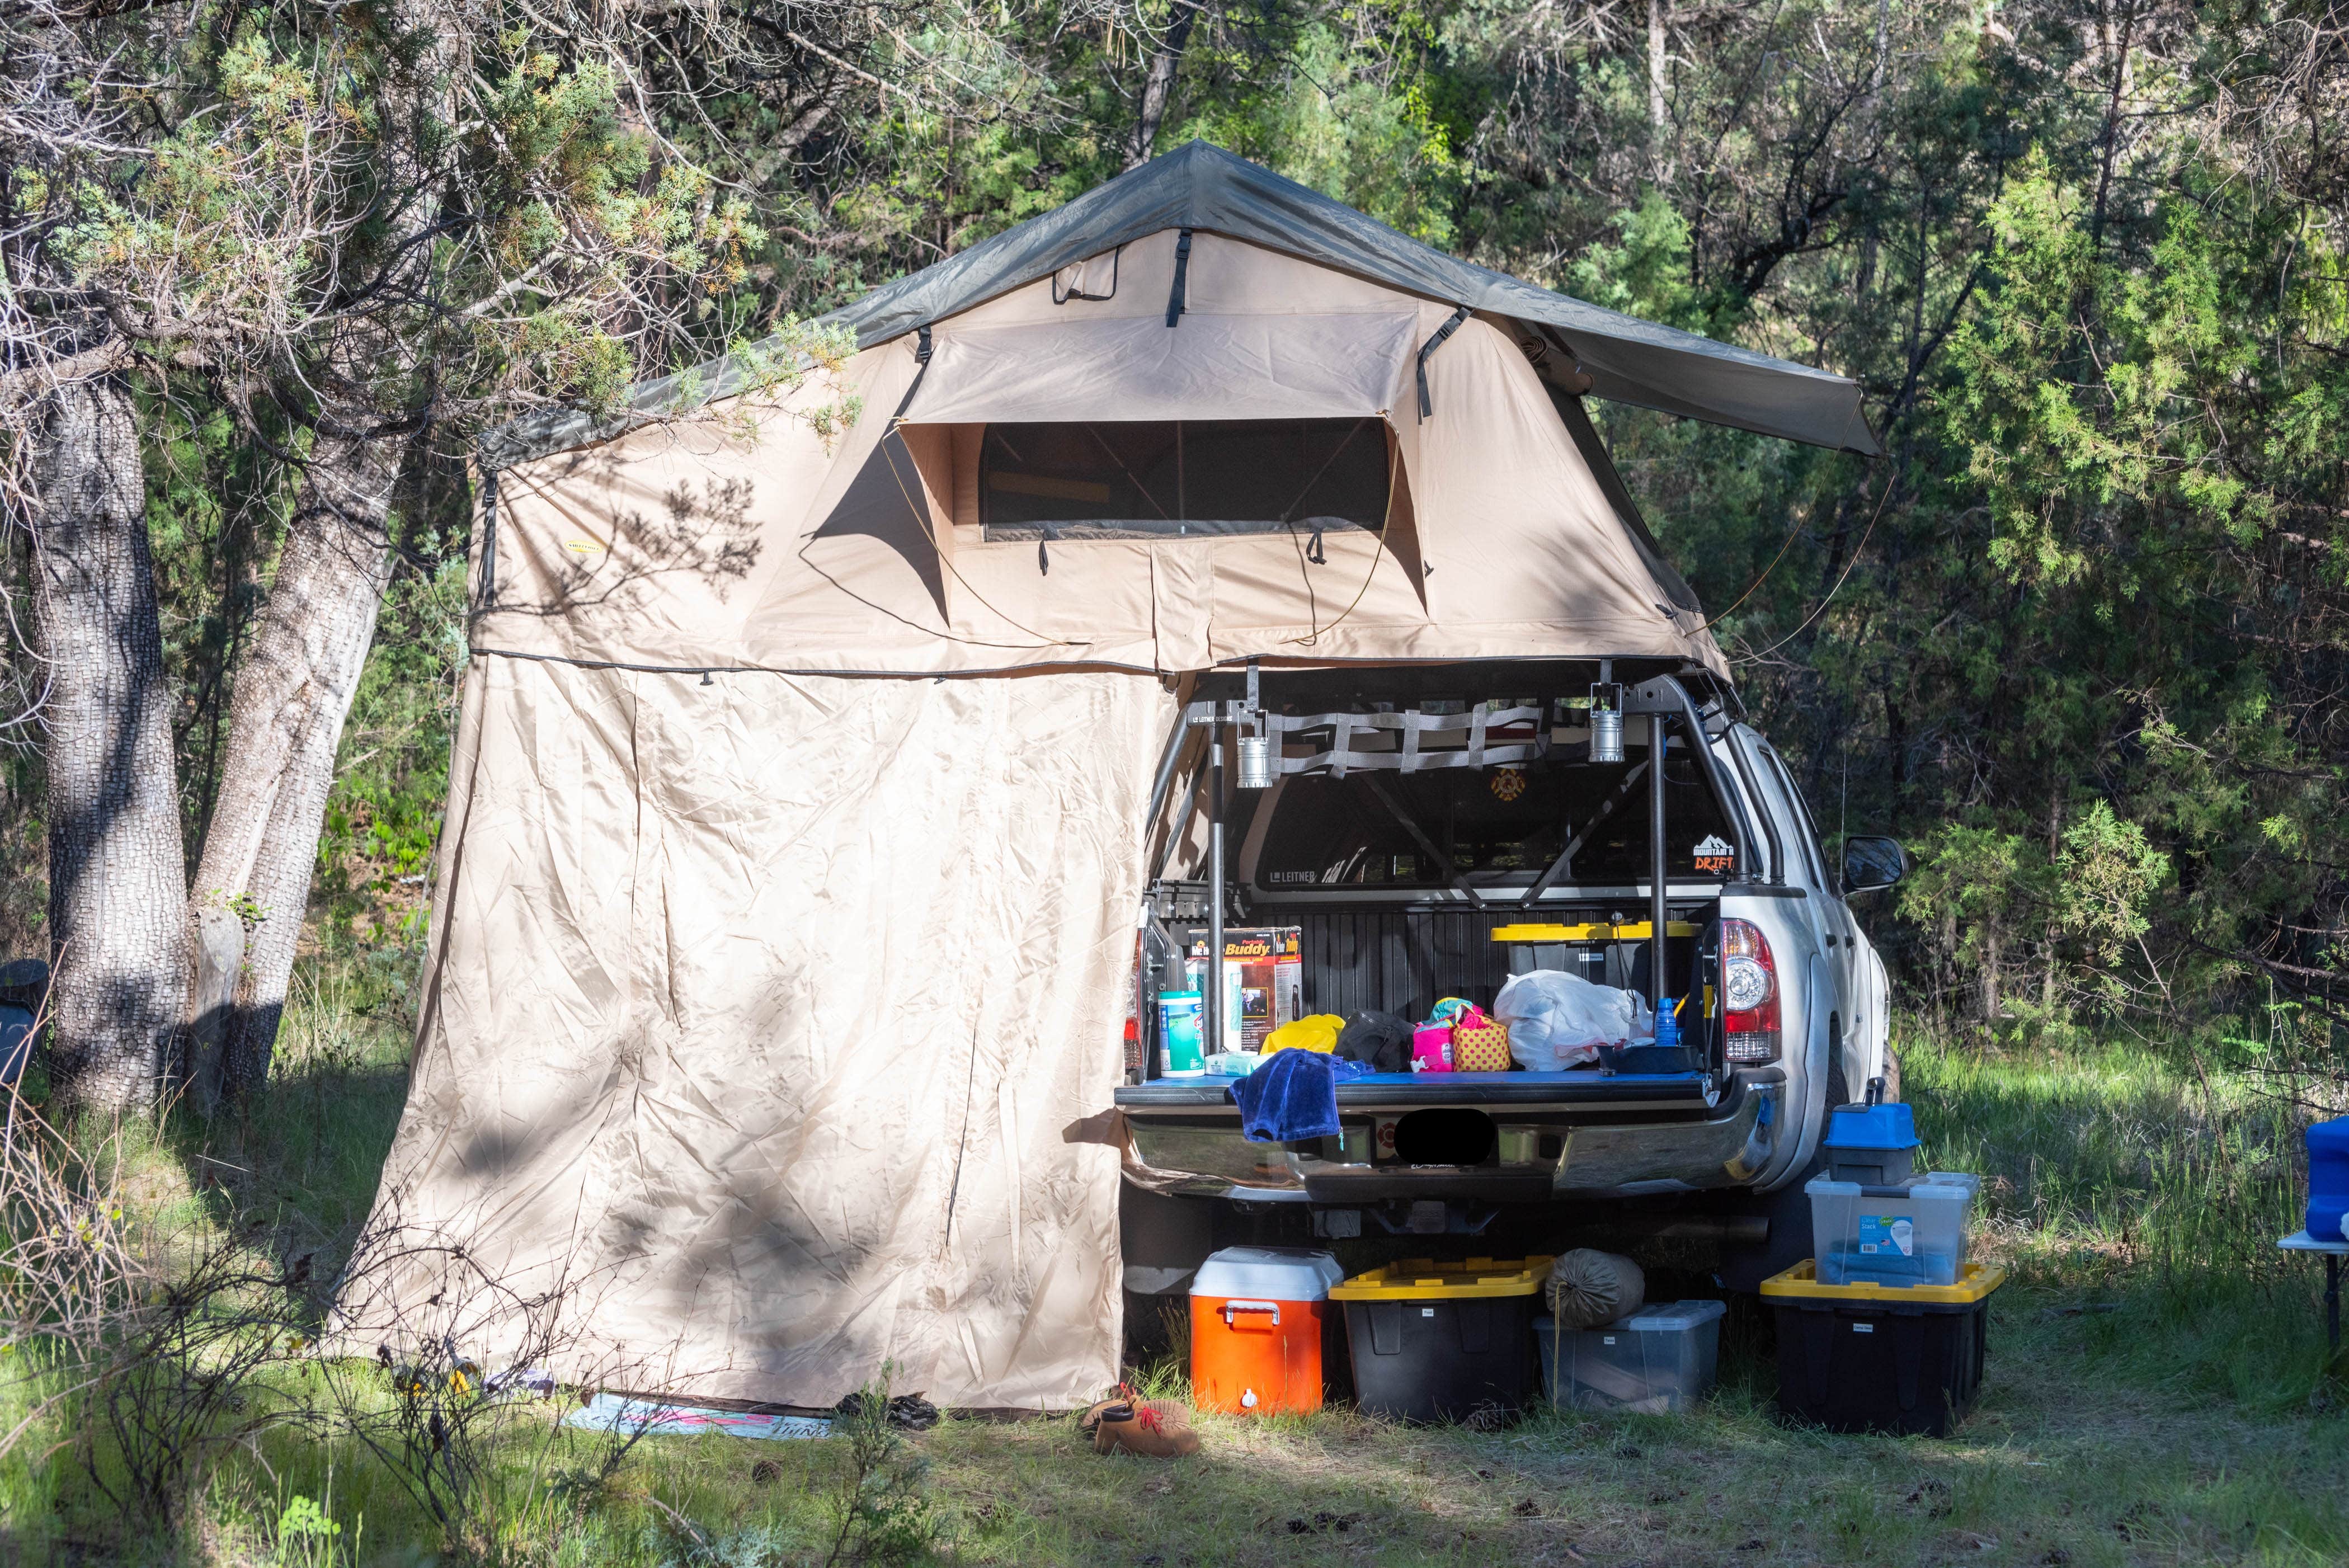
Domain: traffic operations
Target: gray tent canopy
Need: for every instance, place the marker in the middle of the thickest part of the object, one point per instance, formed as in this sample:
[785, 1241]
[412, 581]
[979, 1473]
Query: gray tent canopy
[1205, 189]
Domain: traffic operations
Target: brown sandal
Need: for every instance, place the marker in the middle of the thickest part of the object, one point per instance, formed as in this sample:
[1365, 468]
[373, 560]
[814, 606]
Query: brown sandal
[1154, 1428]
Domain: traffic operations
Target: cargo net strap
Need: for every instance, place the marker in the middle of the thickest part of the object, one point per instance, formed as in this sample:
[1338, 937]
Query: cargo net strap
[1409, 741]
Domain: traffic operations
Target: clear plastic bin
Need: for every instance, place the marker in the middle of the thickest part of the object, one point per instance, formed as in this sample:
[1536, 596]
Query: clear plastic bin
[1659, 1358]
[1910, 1235]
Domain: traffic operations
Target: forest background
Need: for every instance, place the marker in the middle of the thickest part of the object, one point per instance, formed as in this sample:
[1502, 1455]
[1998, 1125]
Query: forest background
[2079, 638]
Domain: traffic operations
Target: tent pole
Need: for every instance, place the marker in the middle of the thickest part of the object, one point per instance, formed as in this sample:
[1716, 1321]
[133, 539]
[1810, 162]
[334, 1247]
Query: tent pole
[1212, 1001]
[1657, 871]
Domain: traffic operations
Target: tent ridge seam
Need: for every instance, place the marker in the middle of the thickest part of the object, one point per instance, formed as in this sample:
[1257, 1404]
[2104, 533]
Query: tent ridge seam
[1054, 667]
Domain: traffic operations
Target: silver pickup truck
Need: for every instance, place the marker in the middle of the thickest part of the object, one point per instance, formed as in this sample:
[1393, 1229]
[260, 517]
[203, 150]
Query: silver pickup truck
[1427, 832]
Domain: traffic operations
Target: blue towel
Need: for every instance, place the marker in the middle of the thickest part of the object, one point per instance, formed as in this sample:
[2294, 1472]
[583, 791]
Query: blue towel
[1294, 1095]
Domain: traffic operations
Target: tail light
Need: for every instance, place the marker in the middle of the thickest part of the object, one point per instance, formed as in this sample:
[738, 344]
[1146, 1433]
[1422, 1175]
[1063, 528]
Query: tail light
[1749, 993]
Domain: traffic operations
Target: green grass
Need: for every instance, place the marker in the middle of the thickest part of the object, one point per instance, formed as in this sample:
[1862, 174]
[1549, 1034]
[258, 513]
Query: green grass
[2157, 1389]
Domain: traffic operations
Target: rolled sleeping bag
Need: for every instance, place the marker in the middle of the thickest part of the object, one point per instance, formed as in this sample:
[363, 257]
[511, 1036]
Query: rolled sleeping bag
[1588, 1287]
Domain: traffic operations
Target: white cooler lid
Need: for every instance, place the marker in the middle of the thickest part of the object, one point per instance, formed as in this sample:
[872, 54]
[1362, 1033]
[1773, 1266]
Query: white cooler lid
[1268, 1274]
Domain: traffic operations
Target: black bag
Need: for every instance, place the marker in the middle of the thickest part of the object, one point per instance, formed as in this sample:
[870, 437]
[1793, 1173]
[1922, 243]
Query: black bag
[1380, 1040]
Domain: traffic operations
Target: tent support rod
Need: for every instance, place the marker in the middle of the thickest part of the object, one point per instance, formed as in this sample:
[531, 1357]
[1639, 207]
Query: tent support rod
[1657, 904]
[1733, 807]
[1753, 793]
[1211, 1001]
[1167, 759]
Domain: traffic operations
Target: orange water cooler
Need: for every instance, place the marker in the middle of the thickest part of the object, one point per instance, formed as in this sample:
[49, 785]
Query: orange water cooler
[1258, 1317]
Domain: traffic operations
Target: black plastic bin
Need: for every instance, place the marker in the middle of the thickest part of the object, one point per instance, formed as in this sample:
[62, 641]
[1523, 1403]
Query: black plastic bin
[1443, 1342]
[1881, 1358]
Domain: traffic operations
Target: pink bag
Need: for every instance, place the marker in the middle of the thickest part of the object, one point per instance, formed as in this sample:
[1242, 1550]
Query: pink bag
[1430, 1048]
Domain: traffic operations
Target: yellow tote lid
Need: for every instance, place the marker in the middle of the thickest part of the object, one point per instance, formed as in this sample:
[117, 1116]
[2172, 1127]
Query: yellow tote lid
[1421, 1279]
[1801, 1282]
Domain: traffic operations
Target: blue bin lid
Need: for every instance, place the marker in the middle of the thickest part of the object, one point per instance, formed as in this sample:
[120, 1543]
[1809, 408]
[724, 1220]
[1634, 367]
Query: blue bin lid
[2329, 1136]
[1871, 1126]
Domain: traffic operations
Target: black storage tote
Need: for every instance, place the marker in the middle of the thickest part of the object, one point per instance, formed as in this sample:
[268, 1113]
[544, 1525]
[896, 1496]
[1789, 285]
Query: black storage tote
[1443, 1342]
[1881, 1358]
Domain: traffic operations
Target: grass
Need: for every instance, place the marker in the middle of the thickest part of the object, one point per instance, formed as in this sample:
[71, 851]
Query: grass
[2158, 1389]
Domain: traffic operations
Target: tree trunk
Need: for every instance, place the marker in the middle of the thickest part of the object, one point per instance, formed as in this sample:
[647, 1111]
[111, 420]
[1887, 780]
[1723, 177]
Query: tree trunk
[2109, 142]
[2055, 851]
[117, 868]
[286, 720]
[1656, 69]
[309, 645]
[1158, 87]
[1990, 1002]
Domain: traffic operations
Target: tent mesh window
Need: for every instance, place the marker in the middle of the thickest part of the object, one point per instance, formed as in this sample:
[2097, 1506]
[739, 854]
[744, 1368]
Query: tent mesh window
[1187, 479]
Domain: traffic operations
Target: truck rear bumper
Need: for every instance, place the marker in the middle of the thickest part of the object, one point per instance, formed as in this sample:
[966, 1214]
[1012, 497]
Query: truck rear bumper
[1619, 1137]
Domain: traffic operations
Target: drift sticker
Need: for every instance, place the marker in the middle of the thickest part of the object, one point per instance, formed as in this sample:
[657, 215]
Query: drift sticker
[1885, 1235]
[1713, 855]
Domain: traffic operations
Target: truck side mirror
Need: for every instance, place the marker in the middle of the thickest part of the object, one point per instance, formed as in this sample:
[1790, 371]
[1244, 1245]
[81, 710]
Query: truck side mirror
[1869, 863]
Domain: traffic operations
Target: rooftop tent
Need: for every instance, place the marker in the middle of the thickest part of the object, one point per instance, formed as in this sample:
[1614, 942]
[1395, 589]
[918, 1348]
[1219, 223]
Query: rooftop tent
[775, 993]
[686, 545]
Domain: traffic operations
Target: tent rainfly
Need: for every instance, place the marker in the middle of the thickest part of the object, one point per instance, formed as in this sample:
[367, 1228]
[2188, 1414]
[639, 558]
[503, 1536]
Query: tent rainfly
[775, 993]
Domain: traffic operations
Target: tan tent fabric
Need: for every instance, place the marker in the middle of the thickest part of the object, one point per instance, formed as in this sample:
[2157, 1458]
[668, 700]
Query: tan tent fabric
[763, 539]
[768, 1015]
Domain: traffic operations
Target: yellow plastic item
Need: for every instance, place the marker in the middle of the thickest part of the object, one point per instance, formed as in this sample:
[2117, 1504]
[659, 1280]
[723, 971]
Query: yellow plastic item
[1418, 1279]
[1802, 1281]
[1590, 931]
[1319, 1032]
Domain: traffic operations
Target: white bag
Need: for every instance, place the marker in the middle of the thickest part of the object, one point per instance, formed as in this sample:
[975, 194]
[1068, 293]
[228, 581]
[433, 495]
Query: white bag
[1558, 1020]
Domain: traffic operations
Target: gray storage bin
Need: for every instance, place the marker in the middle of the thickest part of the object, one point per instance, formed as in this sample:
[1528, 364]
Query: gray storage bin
[1660, 1359]
[1908, 1235]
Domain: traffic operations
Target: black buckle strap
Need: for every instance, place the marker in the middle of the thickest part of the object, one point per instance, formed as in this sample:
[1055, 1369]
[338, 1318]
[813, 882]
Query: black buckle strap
[1182, 271]
[489, 600]
[921, 368]
[1427, 404]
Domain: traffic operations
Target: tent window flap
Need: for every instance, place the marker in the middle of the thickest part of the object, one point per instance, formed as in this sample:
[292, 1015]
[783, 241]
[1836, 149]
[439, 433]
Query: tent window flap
[1181, 479]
